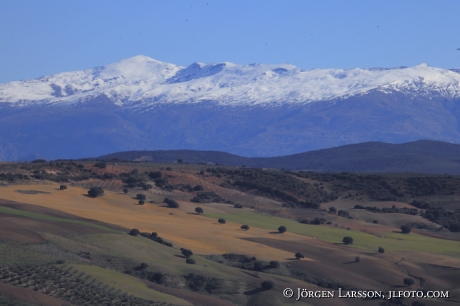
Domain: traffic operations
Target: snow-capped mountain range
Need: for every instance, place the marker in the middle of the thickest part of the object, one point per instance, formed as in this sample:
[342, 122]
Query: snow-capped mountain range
[251, 110]
[143, 79]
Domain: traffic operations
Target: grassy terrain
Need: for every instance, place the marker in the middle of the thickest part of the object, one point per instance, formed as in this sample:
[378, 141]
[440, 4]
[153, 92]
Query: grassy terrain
[17, 212]
[128, 284]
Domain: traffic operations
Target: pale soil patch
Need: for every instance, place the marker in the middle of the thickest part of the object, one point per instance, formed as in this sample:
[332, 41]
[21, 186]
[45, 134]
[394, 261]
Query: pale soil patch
[201, 234]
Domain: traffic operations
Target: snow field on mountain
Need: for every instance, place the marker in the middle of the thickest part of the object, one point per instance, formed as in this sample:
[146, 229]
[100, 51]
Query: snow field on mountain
[145, 80]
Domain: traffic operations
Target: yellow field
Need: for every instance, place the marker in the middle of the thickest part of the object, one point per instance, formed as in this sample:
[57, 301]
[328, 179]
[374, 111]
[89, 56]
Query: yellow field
[180, 226]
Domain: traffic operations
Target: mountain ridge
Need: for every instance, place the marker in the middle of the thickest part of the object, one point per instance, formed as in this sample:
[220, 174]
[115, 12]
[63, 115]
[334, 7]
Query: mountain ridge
[422, 156]
[252, 110]
[146, 80]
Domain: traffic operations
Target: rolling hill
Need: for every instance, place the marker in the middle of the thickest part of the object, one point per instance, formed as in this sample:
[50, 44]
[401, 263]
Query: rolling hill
[424, 156]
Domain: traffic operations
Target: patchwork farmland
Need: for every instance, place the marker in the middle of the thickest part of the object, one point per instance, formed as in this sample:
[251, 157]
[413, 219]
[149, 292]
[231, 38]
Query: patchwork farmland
[60, 246]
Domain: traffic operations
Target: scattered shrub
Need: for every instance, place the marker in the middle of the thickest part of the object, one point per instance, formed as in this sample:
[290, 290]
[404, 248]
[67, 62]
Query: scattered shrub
[171, 203]
[134, 232]
[141, 196]
[299, 255]
[347, 240]
[245, 227]
[274, 264]
[282, 229]
[405, 229]
[408, 281]
[186, 252]
[258, 266]
[100, 165]
[267, 285]
[95, 192]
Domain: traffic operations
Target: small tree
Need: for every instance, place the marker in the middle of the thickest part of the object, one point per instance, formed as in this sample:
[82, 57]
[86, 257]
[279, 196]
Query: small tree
[222, 221]
[134, 232]
[267, 285]
[198, 188]
[199, 210]
[62, 187]
[95, 192]
[141, 196]
[299, 256]
[100, 165]
[143, 266]
[408, 281]
[125, 190]
[190, 261]
[245, 227]
[282, 229]
[186, 252]
[141, 202]
[381, 250]
[155, 175]
[332, 210]
[347, 240]
[274, 264]
[405, 229]
[171, 203]
[258, 266]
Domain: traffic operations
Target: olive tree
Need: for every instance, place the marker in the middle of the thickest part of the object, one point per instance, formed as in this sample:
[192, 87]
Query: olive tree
[245, 227]
[347, 240]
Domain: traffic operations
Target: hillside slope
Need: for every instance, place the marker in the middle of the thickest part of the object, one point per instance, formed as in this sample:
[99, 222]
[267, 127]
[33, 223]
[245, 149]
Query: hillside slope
[424, 156]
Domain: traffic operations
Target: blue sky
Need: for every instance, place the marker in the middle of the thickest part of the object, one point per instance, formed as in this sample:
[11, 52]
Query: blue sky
[44, 37]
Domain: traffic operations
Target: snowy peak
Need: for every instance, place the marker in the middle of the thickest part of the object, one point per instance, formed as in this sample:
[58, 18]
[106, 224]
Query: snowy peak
[139, 68]
[148, 81]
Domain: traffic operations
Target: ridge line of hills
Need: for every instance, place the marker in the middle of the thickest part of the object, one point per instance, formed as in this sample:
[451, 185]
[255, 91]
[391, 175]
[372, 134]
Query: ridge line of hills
[422, 156]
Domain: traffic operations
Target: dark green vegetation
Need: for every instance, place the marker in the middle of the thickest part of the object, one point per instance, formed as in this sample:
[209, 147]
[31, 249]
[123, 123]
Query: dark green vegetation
[424, 156]
[95, 192]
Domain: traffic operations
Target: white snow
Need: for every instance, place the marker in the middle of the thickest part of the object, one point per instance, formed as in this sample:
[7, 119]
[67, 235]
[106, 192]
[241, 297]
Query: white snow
[145, 80]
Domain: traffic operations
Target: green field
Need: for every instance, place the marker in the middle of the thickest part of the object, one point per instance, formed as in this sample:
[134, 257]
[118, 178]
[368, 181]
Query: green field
[17, 212]
[389, 241]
